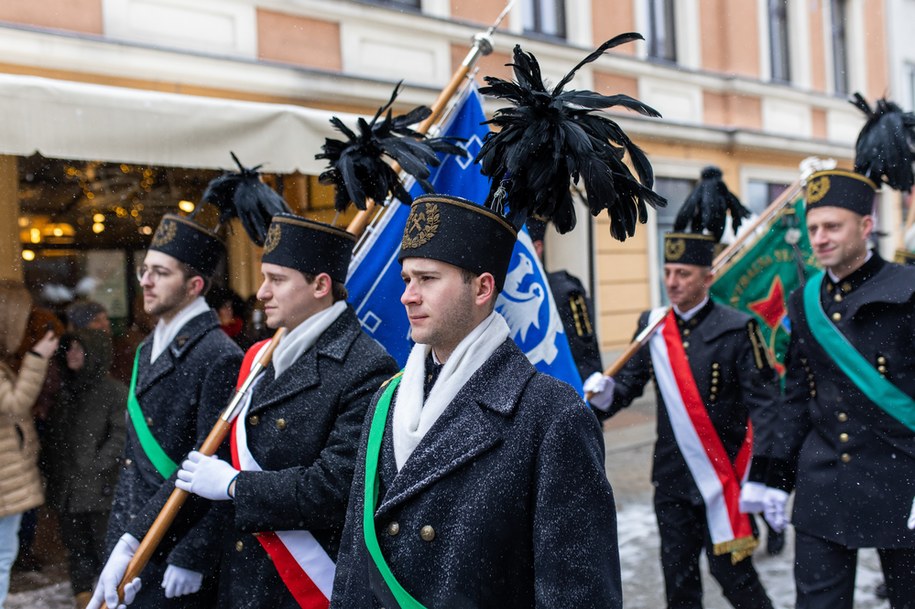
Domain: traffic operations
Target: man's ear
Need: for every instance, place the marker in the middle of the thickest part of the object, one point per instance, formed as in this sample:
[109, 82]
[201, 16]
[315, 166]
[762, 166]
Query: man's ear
[322, 285]
[485, 288]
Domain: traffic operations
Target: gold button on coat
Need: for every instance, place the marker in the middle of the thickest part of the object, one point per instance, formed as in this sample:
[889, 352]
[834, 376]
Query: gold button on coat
[845, 457]
[842, 417]
[149, 421]
[427, 533]
[128, 462]
[281, 424]
[393, 529]
[253, 420]
[843, 437]
[239, 546]
[836, 316]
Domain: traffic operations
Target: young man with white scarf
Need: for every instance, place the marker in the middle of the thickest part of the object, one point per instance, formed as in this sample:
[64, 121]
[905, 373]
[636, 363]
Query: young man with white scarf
[280, 500]
[479, 481]
[183, 376]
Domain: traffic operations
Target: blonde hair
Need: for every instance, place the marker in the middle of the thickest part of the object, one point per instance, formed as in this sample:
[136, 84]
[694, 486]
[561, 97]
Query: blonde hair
[15, 305]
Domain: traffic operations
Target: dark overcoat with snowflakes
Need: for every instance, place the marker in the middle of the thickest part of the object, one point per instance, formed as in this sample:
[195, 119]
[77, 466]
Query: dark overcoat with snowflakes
[504, 503]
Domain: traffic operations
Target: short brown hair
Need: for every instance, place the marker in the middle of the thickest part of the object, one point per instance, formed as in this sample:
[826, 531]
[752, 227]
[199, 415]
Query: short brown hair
[190, 272]
[337, 289]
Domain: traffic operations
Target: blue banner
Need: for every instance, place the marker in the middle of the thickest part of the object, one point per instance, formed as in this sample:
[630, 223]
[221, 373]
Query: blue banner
[526, 302]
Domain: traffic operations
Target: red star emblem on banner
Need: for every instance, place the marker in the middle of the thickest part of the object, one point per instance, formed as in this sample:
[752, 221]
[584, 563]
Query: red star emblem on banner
[771, 309]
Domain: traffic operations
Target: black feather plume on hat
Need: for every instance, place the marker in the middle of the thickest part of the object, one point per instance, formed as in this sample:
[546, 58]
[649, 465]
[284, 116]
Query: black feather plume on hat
[885, 148]
[550, 139]
[357, 168]
[707, 206]
[241, 194]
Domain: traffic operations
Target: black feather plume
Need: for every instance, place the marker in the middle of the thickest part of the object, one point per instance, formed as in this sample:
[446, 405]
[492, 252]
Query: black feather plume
[357, 168]
[885, 148]
[243, 195]
[707, 206]
[551, 139]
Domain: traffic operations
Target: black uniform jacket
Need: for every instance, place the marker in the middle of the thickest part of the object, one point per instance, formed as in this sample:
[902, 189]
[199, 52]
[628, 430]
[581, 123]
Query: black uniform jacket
[855, 463]
[504, 503]
[575, 309]
[181, 395]
[734, 378]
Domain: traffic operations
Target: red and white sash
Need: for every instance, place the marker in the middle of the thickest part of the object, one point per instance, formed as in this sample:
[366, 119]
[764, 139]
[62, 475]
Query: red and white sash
[717, 478]
[301, 562]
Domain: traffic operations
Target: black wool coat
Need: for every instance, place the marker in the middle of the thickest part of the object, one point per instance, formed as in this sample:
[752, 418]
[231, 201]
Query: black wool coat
[181, 395]
[303, 430]
[736, 383]
[855, 464]
[503, 504]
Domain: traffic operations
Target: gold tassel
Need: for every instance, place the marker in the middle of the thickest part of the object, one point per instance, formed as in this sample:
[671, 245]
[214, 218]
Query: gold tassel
[738, 548]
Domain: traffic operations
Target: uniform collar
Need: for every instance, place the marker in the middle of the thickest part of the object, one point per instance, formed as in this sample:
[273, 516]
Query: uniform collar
[855, 280]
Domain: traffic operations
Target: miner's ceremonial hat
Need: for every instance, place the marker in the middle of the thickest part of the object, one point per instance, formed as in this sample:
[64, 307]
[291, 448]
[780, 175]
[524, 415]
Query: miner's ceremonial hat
[308, 246]
[840, 188]
[457, 231]
[189, 242]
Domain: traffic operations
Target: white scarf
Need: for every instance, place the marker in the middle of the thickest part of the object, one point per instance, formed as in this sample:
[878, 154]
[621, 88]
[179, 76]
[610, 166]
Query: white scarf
[303, 336]
[165, 332]
[413, 419]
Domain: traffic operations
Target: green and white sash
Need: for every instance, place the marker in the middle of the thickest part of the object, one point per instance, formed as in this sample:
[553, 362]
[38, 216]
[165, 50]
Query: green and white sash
[855, 366]
[151, 447]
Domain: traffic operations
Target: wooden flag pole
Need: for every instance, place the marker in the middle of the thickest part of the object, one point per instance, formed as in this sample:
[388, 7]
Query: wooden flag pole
[482, 46]
[176, 500]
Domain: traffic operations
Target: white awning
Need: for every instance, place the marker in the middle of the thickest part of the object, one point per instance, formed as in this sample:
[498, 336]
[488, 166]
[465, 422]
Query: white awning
[71, 120]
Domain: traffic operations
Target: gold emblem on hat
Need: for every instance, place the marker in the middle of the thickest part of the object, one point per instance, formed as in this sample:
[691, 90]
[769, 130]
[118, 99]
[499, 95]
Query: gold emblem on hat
[273, 238]
[674, 249]
[165, 233]
[817, 189]
[422, 224]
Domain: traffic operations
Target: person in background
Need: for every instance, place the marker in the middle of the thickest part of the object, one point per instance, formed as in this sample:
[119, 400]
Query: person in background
[20, 481]
[88, 314]
[230, 308]
[574, 307]
[84, 443]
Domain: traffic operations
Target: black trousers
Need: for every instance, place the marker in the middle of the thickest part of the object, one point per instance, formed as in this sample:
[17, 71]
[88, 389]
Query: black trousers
[825, 574]
[84, 537]
[684, 534]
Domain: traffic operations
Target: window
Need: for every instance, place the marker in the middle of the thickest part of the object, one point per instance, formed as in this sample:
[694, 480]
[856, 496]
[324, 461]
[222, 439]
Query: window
[413, 4]
[662, 39]
[546, 17]
[675, 190]
[779, 58]
[760, 194]
[839, 46]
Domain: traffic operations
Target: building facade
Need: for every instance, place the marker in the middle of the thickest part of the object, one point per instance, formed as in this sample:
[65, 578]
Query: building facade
[122, 108]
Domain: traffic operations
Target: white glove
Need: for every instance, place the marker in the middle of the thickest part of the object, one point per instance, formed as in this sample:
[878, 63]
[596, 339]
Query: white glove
[774, 508]
[601, 389]
[113, 572]
[911, 523]
[208, 477]
[179, 581]
[751, 497]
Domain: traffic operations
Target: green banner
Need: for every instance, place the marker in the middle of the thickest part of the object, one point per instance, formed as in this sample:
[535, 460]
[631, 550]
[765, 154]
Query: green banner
[759, 279]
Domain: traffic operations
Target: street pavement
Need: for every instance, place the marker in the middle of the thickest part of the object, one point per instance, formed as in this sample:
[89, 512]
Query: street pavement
[629, 439]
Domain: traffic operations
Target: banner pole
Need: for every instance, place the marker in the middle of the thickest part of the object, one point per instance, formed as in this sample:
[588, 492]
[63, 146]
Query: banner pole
[482, 46]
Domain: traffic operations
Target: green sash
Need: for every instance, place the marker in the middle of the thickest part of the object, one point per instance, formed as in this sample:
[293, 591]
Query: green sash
[370, 500]
[874, 386]
[154, 451]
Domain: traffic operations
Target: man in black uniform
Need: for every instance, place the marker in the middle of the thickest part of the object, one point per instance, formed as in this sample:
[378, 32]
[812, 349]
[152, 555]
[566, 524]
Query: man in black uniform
[574, 307]
[847, 429]
[712, 376]
[480, 482]
[294, 446]
[183, 376]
